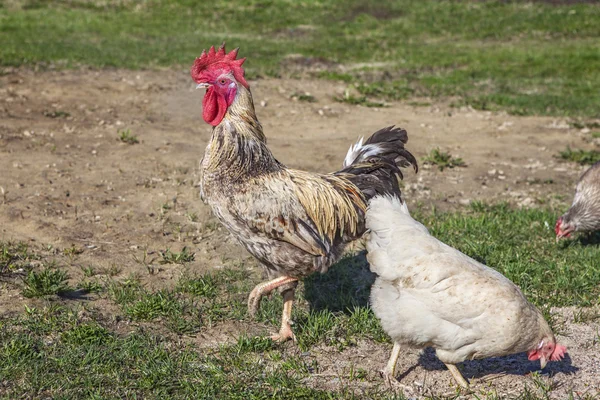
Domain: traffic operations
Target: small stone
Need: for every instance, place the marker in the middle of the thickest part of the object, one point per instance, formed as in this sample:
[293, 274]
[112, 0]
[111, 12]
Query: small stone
[263, 103]
[491, 172]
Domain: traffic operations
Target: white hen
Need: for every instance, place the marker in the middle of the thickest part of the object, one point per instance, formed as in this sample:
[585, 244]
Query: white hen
[430, 294]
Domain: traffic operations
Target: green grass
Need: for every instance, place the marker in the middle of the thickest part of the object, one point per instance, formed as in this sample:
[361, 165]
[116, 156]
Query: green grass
[308, 98]
[85, 359]
[14, 256]
[172, 257]
[526, 58]
[521, 245]
[46, 282]
[143, 350]
[443, 160]
[127, 137]
[357, 100]
[583, 157]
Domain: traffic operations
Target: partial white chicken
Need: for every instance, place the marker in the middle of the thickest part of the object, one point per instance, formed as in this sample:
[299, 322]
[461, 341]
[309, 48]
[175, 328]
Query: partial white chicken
[430, 294]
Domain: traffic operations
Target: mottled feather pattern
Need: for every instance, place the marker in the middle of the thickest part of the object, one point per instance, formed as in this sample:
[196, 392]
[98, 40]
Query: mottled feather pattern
[294, 222]
[330, 202]
[584, 213]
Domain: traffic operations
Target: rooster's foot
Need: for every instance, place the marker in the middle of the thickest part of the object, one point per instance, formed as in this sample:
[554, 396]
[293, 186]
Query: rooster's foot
[263, 289]
[285, 334]
[253, 303]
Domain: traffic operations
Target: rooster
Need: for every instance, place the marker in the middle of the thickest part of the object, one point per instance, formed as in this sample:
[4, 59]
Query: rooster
[584, 214]
[294, 222]
[430, 294]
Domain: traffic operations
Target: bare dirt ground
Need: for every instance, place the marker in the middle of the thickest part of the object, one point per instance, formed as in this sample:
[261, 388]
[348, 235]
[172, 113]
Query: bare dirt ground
[67, 181]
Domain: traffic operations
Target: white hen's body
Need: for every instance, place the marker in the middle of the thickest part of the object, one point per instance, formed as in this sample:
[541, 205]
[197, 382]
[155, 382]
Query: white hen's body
[430, 294]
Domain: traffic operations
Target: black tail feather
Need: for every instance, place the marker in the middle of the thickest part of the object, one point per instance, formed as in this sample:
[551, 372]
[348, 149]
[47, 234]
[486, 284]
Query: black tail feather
[374, 167]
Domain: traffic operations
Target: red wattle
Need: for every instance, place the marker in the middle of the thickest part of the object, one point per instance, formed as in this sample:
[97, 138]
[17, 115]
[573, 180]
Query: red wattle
[214, 107]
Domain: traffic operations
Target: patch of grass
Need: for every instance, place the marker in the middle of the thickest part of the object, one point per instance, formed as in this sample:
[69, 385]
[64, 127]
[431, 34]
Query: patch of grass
[171, 257]
[520, 244]
[85, 359]
[306, 97]
[578, 124]
[582, 157]
[585, 315]
[127, 137]
[90, 286]
[204, 286]
[443, 160]
[72, 252]
[87, 334]
[46, 282]
[14, 256]
[514, 56]
[88, 271]
[195, 302]
[56, 114]
[360, 100]
[178, 314]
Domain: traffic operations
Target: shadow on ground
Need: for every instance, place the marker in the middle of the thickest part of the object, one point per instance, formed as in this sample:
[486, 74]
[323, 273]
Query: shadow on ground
[515, 364]
[345, 286]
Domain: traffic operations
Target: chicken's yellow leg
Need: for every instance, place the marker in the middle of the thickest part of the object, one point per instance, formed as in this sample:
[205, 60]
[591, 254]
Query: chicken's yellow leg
[263, 289]
[285, 332]
[457, 375]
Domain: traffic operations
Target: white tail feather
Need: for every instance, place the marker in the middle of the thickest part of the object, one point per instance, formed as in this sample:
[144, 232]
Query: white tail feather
[353, 152]
[360, 151]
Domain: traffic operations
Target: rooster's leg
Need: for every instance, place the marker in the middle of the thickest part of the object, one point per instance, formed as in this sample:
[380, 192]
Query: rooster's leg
[457, 375]
[263, 289]
[389, 373]
[285, 332]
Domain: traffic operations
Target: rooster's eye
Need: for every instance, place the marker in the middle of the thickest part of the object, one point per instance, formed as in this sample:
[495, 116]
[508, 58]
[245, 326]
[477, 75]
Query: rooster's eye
[222, 81]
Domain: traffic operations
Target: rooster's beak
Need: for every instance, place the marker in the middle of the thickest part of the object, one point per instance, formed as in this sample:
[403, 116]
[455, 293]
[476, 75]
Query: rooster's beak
[202, 86]
[543, 362]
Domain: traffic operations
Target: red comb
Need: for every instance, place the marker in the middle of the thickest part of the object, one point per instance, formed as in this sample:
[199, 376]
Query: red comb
[558, 353]
[557, 226]
[218, 59]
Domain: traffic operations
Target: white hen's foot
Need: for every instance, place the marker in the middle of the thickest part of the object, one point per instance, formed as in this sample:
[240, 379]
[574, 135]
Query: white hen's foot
[389, 372]
[457, 376]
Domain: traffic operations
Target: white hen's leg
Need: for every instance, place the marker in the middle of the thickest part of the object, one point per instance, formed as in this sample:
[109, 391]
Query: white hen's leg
[264, 289]
[389, 373]
[457, 375]
[285, 332]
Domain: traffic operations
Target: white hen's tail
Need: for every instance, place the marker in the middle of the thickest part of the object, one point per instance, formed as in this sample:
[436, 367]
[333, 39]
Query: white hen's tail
[394, 235]
[387, 213]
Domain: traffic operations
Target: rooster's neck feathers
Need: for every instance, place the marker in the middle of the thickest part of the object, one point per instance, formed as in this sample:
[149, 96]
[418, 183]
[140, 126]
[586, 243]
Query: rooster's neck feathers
[238, 146]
